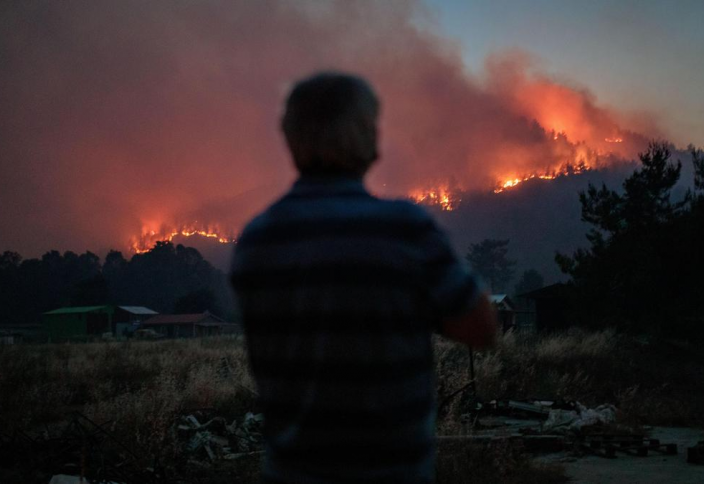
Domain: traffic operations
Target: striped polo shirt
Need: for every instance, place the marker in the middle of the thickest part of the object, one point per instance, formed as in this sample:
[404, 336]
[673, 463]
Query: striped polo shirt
[340, 292]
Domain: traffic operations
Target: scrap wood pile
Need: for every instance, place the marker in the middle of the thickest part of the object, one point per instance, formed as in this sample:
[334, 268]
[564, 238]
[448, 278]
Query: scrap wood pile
[216, 440]
[549, 426]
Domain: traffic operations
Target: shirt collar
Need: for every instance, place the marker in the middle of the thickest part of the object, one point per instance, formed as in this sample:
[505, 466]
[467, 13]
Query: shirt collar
[309, 184]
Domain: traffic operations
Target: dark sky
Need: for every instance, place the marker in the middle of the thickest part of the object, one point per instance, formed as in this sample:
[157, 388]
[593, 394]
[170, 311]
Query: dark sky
[119, 119]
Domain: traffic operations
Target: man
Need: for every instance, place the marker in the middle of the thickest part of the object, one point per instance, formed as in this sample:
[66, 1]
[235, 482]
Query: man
[340, 292]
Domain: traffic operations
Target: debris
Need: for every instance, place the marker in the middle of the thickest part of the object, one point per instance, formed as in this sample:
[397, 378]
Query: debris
[530, 408]
[192, 421]
[216, 440]
[607, 445]
[553, 426]
[535, 409]
[64, 479]
[217, 424]
[566, 421]
[198, 441]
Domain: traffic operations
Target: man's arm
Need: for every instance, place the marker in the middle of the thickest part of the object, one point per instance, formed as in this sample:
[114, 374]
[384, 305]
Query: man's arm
[477, 329]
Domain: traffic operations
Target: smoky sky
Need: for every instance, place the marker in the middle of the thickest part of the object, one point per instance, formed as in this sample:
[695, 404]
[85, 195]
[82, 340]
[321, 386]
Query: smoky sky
[121, 117]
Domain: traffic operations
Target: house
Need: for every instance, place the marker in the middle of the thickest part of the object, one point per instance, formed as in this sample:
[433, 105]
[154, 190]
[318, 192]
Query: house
[92, 321]
[190, 325]
[78, 322]
[551, 306]
[128, 318]
[505, 310]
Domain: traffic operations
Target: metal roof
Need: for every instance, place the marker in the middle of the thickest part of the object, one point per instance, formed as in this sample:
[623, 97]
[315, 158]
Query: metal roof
[76, 309]
[201, 318]
[137, 310]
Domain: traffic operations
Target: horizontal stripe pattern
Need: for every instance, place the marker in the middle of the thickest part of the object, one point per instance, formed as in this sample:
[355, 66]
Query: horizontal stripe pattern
[339, 292]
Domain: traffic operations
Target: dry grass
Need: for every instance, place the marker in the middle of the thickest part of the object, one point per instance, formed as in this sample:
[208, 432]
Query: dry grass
[139, 387]
[656, 383]
[142, 387]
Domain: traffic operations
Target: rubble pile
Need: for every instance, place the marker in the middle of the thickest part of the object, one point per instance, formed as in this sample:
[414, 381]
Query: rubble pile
[216, 440]
[551, 426]
[572, 421]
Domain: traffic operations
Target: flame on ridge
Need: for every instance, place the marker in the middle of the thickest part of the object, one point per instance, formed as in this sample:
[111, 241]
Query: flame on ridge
[440, 196]
[586, 160]
[565, 170]
[149, 237]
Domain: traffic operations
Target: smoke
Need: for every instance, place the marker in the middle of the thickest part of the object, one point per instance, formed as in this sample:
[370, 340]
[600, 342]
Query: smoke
[118, 119]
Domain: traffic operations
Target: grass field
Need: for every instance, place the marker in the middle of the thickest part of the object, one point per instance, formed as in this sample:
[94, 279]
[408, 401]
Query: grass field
[141, 388]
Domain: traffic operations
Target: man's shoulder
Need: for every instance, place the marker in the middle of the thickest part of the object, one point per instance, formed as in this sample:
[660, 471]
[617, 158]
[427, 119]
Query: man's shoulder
[407, 209]
[293, 214]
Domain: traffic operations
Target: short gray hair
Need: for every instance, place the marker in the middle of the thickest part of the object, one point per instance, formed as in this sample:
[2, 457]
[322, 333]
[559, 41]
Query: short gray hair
[330, 124]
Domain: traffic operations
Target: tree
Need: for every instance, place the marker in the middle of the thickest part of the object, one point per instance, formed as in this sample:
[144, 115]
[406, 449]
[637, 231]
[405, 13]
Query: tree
[642, 267]
[198, 301]
[530, 281]
[90, 292]
[489, 259]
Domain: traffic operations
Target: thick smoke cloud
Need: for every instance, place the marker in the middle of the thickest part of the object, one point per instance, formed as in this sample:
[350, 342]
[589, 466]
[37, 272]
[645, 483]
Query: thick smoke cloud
[118, 118]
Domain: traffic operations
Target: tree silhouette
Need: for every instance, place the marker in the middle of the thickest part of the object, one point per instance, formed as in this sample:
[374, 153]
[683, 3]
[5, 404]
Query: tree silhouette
[645, 259]
[530, 281]
[165, 279]
[489, 259]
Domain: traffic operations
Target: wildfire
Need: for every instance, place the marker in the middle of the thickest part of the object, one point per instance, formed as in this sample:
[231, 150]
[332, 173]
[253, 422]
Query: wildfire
[441, 197]
[565, 170]
[146, 241]
[614, 140]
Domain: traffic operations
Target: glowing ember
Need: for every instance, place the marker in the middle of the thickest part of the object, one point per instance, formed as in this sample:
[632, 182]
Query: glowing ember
[146, 241]
[441, 197]
[614, 140]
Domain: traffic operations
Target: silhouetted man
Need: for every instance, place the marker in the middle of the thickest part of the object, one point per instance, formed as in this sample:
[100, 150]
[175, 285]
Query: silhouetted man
[340, 292]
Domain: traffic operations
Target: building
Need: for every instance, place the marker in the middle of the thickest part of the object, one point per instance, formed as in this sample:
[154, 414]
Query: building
[190, 325]
[551, 306]
[83, 322]
[127, 319]
[78, 322]
[505, 310]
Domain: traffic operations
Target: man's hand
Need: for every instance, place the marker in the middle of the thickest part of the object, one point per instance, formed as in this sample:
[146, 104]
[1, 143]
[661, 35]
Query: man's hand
[478, 329]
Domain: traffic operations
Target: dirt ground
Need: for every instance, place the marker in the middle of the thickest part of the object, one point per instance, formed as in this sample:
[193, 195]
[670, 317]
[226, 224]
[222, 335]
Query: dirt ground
[654, 469]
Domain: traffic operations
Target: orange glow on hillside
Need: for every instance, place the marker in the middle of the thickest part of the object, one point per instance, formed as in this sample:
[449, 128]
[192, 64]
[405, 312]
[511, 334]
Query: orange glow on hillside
[440, 196]
[564, 171]
[149, 237]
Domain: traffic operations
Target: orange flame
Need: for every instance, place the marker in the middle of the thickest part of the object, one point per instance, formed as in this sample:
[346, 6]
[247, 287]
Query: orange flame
[146, 241]
[565, 170]
[440, 196]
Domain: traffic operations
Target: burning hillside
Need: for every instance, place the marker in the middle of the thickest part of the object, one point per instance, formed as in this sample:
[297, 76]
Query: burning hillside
[128, 117]
[149, 237]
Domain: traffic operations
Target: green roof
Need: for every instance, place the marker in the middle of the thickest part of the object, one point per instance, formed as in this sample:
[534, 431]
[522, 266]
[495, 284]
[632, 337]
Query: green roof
[76, 309]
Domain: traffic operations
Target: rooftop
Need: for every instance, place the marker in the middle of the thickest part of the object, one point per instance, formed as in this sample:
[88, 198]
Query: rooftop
[196, 318]
[76, 309]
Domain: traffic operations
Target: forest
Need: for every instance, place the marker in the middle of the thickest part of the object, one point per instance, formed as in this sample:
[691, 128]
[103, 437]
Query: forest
[168, 278]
